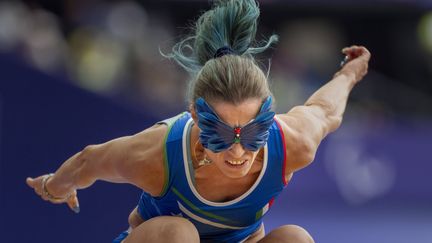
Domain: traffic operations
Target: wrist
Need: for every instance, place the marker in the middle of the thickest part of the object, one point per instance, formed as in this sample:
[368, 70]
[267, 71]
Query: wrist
[52, 191]
[349, 77]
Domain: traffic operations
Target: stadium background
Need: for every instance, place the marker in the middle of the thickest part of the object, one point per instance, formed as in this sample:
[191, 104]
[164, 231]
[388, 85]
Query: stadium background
[74, 73]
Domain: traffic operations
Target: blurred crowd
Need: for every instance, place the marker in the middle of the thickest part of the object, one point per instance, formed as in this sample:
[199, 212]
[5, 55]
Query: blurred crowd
[108, 48]
[113, 48]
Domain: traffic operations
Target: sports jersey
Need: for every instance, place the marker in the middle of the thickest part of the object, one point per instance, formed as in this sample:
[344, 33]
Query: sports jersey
[230, 221]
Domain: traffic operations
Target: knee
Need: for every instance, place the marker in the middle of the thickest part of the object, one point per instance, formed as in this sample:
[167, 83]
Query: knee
[164, 229]
[178, 229]
[291, 234]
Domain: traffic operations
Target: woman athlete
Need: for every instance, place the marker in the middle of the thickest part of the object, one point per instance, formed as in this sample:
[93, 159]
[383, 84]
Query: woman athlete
[210, 174]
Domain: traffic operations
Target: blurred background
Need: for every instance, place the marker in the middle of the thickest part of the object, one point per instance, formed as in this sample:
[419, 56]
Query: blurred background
[74, 73]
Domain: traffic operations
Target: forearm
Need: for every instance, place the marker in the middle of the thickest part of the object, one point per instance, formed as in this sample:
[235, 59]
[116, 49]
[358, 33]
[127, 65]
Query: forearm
[331, 99]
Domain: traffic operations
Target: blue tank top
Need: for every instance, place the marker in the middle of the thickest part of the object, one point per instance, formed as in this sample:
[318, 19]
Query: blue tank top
[231, 221]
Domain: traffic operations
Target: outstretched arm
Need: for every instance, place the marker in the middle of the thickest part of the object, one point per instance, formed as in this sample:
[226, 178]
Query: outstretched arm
[136, 159]
[306, 126]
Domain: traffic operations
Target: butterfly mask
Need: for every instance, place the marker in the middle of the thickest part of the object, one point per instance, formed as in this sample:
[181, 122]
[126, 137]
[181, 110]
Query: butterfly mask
[218, 136]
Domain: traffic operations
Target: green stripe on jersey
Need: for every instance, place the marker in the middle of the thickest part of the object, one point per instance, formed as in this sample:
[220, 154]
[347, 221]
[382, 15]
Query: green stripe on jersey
[195, 208]
[169, 122]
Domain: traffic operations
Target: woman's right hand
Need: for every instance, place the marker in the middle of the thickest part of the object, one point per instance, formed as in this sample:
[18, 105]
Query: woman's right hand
[41, 187]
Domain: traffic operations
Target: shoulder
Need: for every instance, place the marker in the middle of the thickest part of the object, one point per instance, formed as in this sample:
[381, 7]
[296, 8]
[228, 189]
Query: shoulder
[146, 153]
[151, 137]
[144, 159]
[299, 146]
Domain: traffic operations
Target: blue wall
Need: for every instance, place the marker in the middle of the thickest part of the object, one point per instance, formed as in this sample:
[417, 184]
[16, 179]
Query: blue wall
[43, 122]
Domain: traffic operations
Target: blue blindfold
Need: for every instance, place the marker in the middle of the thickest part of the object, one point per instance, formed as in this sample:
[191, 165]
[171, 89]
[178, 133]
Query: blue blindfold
[218, 136]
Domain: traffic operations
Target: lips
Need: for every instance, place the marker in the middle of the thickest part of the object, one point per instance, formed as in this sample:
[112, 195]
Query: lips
[235, 163]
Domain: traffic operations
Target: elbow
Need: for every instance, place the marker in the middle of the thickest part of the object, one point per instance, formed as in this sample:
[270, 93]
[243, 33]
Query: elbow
[88, 149]
[85, 155]
[306, 154]
[83, 173]
[309, 153]
[332, 117]
[333, 123]
[310, 156]
[329, 114]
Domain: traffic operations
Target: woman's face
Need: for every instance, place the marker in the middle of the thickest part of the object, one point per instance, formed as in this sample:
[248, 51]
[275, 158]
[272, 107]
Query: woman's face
[235, 162]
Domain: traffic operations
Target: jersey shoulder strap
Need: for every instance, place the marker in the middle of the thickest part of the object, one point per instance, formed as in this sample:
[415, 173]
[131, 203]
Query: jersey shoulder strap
[172, 146]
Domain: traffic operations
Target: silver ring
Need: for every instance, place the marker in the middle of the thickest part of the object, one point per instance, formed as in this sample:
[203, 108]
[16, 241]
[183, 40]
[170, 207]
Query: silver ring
[344, 61]
[46, 193]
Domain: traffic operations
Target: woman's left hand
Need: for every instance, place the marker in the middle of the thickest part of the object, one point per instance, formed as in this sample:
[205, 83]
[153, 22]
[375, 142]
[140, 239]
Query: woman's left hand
[356, 63]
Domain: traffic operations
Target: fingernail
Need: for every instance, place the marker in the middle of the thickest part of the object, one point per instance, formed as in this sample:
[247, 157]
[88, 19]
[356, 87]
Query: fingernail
[76, 209]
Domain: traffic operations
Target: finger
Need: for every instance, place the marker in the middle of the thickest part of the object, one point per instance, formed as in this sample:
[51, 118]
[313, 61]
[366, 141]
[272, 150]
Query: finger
[365, 53]
[349, 54]
[349, 48]
[358, 52]
[73, 203]
[36, 184]
[354, 52]
[30, 182]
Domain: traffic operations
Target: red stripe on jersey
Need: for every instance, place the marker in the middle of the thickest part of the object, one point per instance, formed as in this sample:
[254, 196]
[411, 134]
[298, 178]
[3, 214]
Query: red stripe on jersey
[284, 153]
[271, 202]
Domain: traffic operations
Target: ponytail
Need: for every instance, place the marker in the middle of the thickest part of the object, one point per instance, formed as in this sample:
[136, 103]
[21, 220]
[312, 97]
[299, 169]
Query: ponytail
[230, 23]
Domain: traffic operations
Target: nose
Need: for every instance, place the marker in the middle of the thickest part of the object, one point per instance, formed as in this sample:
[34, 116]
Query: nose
[237, 150]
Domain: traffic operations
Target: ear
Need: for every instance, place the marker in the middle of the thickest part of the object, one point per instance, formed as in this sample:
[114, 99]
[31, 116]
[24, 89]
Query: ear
[193, 113]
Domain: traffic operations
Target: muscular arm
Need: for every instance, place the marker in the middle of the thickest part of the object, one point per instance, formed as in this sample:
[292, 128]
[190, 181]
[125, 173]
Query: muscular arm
[136, 159]
[307, 125]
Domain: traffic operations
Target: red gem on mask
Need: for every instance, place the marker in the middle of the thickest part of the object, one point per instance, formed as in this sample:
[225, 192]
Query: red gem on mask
[237, 134]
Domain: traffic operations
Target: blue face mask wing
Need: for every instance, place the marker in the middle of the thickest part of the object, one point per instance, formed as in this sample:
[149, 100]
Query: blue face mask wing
[217, 136]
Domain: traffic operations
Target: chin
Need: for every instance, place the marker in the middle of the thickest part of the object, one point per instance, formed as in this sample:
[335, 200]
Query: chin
[234, 175]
